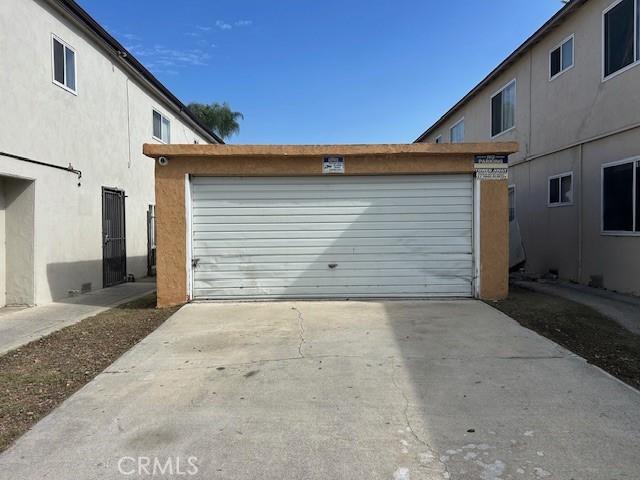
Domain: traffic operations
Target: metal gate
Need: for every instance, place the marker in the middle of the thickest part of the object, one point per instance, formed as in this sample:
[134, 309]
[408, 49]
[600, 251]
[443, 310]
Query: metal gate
[114, 244]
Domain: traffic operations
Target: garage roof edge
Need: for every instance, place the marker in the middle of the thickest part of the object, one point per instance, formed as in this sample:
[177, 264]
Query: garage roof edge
[190, 150]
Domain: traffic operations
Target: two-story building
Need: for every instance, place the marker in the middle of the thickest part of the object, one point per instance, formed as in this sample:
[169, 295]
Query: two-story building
[75, 188]
[570, 95]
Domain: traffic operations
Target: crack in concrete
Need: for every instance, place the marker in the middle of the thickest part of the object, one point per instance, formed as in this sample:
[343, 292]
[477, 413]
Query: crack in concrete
[301, 332]
[407, 419]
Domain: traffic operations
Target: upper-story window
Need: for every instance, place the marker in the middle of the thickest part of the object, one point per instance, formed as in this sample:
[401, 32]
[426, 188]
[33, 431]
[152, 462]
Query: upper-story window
[64, 64]
[621, 36]
[621, 196]
[161, 127]
[561, 58]
[503, 109]
[438, 139]
[457, 132]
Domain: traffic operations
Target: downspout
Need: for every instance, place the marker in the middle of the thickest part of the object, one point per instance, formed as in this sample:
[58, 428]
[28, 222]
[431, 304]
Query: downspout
[580, 206]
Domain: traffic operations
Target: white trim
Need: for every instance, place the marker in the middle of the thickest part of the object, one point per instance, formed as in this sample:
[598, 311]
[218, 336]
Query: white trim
[636, 60]
[476, 237]
[515, 109]
[620, 233]
[573, 56]
[189, 234]
[66, 47]
[513, 187]
[560, 203]
[454, 126]
[438, 139]
[162, 117]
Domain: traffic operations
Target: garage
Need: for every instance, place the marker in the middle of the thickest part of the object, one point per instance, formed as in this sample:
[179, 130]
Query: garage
[245, 222]
[302, 237]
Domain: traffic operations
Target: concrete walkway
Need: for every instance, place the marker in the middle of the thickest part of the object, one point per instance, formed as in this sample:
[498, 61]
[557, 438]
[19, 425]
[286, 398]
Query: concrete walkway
[19, 326]
[623, 309]
[340, 390]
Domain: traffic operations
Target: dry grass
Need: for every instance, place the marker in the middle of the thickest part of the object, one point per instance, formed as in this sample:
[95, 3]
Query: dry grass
[36, 378]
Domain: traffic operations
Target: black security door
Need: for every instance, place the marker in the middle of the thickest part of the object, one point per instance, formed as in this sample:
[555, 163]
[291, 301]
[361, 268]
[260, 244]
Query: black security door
[114, 251]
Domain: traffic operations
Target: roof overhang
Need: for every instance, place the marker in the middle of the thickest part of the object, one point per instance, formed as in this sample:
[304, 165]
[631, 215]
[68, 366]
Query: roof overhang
[369, 150]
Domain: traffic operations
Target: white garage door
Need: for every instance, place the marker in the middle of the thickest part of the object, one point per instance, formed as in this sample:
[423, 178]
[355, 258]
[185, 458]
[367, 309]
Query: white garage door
[341, 237]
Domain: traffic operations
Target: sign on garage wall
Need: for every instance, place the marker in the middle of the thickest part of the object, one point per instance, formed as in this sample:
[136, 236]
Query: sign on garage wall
[490, 160]
[333, 166]
[491, 173]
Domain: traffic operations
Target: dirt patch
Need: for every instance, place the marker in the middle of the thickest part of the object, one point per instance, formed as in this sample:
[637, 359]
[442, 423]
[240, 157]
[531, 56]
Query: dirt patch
[36, 378]
[579, 328]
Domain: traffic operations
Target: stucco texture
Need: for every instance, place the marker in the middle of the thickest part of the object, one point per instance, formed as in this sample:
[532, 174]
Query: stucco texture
[171, 219]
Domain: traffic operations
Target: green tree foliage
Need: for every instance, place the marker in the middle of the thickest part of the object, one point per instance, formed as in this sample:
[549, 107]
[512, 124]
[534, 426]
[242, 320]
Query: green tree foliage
[218, 117]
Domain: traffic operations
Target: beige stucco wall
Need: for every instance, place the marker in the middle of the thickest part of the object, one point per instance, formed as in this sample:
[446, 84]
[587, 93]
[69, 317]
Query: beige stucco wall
[555, 121]
[3, 256]
[171, 209]
[99, 131]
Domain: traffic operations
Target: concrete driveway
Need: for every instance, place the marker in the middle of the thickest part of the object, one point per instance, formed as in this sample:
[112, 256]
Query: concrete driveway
[340, 390]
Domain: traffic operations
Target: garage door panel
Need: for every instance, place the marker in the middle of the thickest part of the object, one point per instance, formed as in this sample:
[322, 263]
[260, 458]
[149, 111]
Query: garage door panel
[323, 260]
[229, 197]
[337, 274]
[360, 234]
[356, 243]
[342, 228]
[341, 291]
[282, 219]
[383, 236]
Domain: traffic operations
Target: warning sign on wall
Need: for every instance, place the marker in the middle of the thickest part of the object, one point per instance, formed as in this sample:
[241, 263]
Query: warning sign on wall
[491, 173]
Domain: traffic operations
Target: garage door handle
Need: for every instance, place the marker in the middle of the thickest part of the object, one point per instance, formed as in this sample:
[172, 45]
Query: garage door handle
[333, 265]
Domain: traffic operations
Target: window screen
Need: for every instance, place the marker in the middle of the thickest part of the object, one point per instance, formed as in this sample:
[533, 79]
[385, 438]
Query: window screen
[457, 132]
[567, 54]
[58, 61]
[70, 68]
[554, 190]
[503, 109]
[157, 125]
[619, 36]
[617, 198]
[556, 62]
[566, 192]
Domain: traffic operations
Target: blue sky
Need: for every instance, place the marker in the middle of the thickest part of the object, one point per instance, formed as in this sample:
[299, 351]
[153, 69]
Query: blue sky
[323, 71]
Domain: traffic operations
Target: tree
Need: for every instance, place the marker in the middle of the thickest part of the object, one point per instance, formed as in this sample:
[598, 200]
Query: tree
[219, 118]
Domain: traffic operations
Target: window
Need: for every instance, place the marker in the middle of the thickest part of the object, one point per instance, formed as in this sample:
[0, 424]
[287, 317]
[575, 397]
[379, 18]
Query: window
[561, 58]
[64, 65]
[561, 189]
[621, 36]
[503, 109]
[161, 127]
[438, 139]
[457, 132]
[621, 196]
[512, 203]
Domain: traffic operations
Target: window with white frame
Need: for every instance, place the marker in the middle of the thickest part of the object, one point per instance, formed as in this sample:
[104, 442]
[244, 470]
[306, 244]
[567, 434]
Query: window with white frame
[561, 58]
[161, 127]
[512, 203]
[621, 36]
[503, 109]
[561, 189]
[438, 139]
[64, 64]
[621, 196]
[457, 132]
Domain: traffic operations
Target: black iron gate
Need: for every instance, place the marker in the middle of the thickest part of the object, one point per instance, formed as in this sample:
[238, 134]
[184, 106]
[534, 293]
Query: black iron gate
[151, 241]
[114, 244]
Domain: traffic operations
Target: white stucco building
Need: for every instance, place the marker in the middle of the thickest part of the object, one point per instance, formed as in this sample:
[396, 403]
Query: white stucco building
[570, 95]
[74, 184]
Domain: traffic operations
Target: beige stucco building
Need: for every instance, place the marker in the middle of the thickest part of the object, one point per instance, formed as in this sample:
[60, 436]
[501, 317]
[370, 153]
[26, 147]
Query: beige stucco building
[569, 95]
[75, 187]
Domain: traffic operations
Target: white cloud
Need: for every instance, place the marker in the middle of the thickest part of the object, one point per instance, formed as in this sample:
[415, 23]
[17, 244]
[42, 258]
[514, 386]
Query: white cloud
[161, 56]
[243, 23]
[223, 25]
[203, 28]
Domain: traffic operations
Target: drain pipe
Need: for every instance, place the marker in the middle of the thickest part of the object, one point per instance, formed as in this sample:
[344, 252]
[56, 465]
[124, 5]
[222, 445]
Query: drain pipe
[69, 169]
